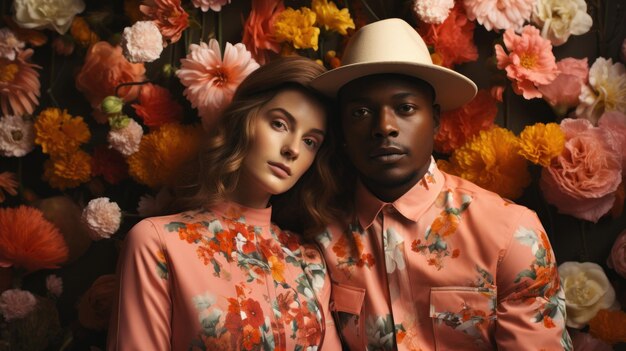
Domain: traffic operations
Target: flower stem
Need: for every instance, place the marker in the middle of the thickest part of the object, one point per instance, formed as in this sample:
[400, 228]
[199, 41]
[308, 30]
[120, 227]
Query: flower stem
[369, 9]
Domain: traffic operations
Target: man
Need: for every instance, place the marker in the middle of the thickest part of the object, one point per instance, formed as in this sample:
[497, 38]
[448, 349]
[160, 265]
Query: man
[428, 261]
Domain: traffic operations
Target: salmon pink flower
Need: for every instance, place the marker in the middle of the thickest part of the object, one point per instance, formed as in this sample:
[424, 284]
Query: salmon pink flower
[19, 85]
[258, 30]
[168, 15]
[211, 81]
[529, 62]
[562, 93]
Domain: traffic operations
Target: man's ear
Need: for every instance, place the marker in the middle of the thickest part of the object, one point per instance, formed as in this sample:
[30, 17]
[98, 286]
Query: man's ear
[436, 115]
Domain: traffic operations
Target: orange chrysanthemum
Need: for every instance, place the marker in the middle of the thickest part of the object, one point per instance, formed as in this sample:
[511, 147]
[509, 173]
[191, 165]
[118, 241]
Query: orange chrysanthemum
[68, 170]
[453, 39]
[163, 152]
[609, 326]
[258, 30]
[19, 85]
[456, 127]
[58, 132]
[491, 160]
[29, 241]
[168, 15]
[540, 143]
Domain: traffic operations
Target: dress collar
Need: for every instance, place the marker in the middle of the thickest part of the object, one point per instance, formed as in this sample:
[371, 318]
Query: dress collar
[411, 205]
[236, 212]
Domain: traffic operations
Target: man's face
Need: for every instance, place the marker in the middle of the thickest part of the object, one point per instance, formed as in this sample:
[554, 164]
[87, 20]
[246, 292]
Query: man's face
[388, 124]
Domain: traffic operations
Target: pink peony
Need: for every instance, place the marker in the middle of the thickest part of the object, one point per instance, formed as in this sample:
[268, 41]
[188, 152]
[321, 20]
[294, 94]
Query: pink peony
[585, 342]
[615, 123]
[530, 61]
[54, 284]
[582, 180]
[258, 30]
[499, 14]
[432, 11]
[168, 15]
[214, 5]
[16, 304]
[19, 85]
[562, 94]
[211, 81]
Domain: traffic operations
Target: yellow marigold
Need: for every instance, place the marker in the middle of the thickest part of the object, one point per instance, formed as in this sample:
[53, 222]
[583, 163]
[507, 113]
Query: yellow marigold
[329, 16]
[58, 132]
[491, 160]
[68, 170]
[81, 32]
[297, 28]
[540, 143]
[163, 152]
[609, 326]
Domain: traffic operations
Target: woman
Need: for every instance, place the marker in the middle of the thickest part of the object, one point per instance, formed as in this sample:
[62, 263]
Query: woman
[224, 276]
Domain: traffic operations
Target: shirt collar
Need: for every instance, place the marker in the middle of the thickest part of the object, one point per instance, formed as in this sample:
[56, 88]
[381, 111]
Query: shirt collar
[236, 212]
[411, 205]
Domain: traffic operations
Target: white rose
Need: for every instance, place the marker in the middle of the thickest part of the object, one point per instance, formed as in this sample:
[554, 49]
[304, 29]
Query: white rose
[559, 19]
[587, 290]
[51, 14]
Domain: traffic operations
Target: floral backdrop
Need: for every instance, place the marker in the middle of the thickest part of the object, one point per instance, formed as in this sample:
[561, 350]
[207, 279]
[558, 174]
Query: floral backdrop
[103, 101]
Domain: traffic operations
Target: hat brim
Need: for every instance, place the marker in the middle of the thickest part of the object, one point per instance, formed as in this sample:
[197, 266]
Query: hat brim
[452, 89]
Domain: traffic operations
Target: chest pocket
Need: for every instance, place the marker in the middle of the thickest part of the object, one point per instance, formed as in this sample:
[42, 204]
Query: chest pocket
[347, 307]
[463, 317]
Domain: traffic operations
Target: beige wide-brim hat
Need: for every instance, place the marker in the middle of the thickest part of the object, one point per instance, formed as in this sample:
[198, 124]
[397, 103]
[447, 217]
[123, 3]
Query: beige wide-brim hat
[393, 46]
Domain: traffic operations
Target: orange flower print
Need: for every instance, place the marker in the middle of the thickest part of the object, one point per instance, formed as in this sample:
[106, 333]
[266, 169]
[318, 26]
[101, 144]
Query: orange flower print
[278, 268]
[189, 232]
[251, 337]
[253, 312]
[446, 224]
[341, 247]
[226, 243]
[162, 270]
[287, 306]
[287, 239]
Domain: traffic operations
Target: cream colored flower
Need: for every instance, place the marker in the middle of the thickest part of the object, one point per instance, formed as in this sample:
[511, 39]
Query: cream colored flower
[142, 42]
[102, 217]
[51, 14]
[606, 90]
[559, 19]
[587, 290]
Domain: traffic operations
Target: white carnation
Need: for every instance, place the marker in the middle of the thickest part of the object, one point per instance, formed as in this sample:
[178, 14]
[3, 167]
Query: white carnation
[559, 19]
[102, 217]
[142, 42]
[126, 140]
[433, 11]
[51, 14]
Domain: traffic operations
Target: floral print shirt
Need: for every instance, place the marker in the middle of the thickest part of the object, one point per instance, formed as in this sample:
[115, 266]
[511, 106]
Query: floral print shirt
[224, 279]
[448, 266]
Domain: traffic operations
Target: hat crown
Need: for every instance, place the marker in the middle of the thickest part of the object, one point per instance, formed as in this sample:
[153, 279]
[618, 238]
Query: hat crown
[390, 40]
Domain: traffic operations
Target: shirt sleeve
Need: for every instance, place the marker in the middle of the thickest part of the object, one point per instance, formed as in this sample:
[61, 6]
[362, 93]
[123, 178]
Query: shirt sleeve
[531, 302]
[142, 316]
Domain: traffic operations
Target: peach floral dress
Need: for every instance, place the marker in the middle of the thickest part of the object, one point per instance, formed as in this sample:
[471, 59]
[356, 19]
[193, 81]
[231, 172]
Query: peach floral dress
[447, 266]
[224, 279]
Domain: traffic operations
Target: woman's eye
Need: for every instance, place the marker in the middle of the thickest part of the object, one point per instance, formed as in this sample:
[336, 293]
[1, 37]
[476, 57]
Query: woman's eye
[311, 143]
[279, 125]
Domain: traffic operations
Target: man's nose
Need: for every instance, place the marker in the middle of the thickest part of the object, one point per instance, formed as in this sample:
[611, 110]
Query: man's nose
[386, 124]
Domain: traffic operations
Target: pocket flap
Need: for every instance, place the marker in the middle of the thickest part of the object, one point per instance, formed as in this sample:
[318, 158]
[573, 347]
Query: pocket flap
[347, 298]
[462, 302]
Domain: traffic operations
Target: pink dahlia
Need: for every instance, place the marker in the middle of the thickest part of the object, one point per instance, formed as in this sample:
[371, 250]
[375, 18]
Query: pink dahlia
[499, 14]
[19, 85]
[529, 62]
[258, 30]
[211, 81]
[168, 15]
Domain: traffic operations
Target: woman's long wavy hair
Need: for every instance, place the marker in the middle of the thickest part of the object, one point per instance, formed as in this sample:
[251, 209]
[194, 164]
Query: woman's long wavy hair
[305, 208]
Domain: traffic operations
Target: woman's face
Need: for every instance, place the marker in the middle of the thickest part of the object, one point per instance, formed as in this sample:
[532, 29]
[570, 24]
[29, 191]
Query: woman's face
[288, 132]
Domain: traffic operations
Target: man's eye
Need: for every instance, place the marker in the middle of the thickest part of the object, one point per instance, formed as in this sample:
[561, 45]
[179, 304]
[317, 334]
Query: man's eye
[360, 112]
[406, 108]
